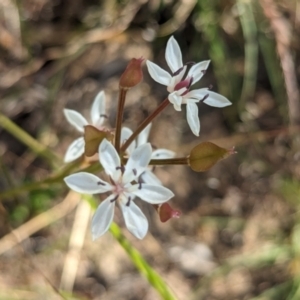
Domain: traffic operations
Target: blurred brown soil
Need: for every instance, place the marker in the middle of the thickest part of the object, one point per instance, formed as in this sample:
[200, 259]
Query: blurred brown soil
[237, 209]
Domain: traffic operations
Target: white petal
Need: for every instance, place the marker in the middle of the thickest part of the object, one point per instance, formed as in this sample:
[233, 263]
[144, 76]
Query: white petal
[103, 217]
[154, 194]
[173, 55]
[178, 78]
[198, 70]
[125, 134]
[143, 136]
[198, 94]
[76, 119]
[193, 117]
[75, 150]
[87, 183]
[176, 100]
[158, 74]
[216, 100]
[150, 178]
[98, 109]
[162, 154]
[110, 159]
[135, 220]
[137, 162]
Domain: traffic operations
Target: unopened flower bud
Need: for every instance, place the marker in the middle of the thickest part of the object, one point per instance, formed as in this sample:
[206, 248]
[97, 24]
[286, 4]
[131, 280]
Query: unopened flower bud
[166, 212]
[133, 74]
[205, 155]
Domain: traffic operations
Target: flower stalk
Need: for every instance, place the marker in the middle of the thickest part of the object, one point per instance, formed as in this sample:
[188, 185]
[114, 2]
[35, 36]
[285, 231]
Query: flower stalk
[169, 161]
[144, 124]
[144, 268]
[120, 110]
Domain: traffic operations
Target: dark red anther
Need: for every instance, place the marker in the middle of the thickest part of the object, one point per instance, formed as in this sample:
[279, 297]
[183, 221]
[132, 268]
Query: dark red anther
[205, 97]
[178, 71]
[115, 199]
[189, 63]
[122, 168]
[128, 202]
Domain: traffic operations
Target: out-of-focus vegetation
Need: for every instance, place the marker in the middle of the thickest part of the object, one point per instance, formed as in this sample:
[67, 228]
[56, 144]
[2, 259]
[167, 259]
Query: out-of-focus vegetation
[239, 233]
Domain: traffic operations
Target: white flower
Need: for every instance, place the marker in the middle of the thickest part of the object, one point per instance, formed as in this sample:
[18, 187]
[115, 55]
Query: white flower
[76, 149]
[148, 176]
[122, 189]
[179, 85]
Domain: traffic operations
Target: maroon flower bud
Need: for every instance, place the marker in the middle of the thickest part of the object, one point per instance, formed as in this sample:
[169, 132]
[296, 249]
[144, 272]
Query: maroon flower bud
[166, 212]
[133, 74]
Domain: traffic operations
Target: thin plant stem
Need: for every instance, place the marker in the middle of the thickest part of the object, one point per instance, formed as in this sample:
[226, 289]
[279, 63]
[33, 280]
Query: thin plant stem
[238, 139]
[120, 110]
[220, 55]
[28, 140]
[144, 124]
[283, 35]
[169, 161]
[57, 177]
[251, 51]
[143, 267]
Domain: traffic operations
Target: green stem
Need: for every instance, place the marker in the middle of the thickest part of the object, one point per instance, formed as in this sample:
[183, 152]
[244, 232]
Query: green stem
[55, 178]
[251, 51]
[143, 267]
[120, 110]
[28, 140]
[271, 60]
[169, 161]
[144, 124]
[220, 55]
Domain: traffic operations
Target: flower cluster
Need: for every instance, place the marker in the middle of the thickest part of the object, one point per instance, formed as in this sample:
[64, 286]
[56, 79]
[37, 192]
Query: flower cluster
[121, 187]
[128, 161]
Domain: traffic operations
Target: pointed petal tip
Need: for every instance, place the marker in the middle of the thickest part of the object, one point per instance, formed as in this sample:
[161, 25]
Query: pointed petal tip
[75, 150]
[109, 159]
[141, 237]
[216, 100]
[158, 74]
[135, 220]
[173, 55]
[148, 146]
[95, 235]
[76, 119]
